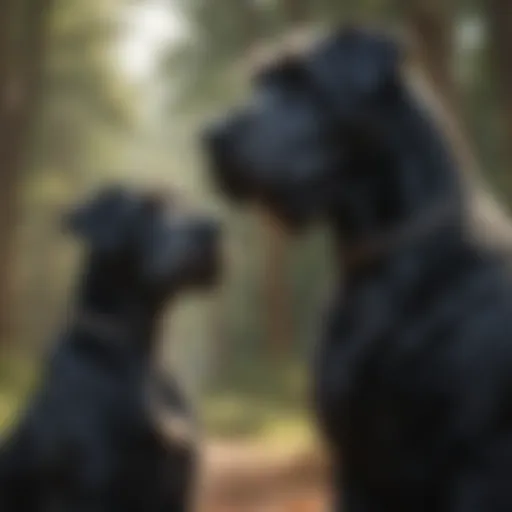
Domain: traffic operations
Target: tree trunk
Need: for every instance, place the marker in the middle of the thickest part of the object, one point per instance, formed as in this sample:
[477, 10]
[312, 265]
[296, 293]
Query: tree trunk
[21, 49]
[500, 24]
[296, 11]
[276, 293]
[431, 22]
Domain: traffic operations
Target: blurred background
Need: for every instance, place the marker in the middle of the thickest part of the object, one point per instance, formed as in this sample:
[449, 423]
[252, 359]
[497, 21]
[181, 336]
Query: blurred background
[100, 90]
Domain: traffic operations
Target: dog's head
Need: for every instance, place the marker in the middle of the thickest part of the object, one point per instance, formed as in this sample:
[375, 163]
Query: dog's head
[148, 240]
[293, 147]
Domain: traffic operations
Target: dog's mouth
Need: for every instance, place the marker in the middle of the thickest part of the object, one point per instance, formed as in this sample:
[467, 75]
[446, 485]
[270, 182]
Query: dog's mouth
[283, 208]
[234, 183]
[228, 177]
[289, 206]
[208, 270]
[295, 201]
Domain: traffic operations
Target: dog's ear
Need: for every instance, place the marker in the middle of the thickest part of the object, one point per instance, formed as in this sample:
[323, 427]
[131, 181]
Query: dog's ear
[103, 221]
[355, 64]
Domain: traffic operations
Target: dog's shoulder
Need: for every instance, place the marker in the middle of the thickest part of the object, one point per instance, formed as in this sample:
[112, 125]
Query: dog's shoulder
[77, 391]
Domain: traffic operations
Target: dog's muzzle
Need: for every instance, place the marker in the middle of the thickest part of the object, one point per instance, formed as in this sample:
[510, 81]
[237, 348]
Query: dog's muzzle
[219, 143]
[209, 268]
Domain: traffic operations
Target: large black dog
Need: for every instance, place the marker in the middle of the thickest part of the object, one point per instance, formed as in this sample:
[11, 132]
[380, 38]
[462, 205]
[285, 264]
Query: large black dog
[414, 376]
[104, 432]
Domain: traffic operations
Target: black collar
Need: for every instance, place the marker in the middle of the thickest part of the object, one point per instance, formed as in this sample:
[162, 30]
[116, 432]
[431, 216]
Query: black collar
[102, 327]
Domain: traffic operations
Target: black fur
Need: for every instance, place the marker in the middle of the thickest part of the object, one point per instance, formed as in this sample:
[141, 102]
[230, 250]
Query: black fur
[414, 372]
[90, 440]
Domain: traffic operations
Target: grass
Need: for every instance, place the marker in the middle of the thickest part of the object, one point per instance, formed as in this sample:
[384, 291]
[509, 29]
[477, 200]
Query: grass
[236, 418]
[260, 400]
[17, 377]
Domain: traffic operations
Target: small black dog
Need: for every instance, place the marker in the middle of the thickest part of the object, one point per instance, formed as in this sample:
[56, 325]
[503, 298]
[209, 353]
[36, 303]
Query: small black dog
[414, 375]
[104, 432]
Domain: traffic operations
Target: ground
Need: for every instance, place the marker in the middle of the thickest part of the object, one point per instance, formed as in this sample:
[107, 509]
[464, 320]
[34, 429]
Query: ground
[256, 477]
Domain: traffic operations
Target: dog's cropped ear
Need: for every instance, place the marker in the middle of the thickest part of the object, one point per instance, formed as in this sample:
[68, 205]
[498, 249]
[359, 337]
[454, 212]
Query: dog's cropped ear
[355, 64]
[103, 221]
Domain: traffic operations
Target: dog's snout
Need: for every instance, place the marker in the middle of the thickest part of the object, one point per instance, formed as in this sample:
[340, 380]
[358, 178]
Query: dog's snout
[209, 231]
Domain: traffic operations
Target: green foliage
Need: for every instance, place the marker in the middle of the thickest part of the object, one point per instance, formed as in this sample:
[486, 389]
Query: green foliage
[83, 90]
[259, 397]
[222, 33]
[17, 378]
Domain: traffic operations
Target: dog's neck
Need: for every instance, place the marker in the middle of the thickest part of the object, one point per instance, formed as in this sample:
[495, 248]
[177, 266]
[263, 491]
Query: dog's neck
[110, 306]
[402, 174]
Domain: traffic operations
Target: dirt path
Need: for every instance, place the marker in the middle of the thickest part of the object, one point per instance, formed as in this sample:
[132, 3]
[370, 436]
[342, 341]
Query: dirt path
[255, 478]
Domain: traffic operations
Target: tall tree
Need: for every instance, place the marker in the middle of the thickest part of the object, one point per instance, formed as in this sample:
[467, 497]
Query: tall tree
[296, 11]
[432, 23]
[85, 92]
[22, 43]
[500, 24]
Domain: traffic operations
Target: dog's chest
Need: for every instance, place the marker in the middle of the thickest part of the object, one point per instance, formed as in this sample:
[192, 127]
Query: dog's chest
[340, 392]
[151, 416]
[157, 448]
[344, 354]
[364, 405]
[170, 417]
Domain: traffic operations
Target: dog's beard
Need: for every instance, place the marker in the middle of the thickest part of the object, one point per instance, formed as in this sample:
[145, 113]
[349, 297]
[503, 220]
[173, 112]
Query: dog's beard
[206, 272]
[291, 210]
[209, 275]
